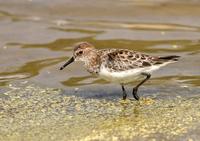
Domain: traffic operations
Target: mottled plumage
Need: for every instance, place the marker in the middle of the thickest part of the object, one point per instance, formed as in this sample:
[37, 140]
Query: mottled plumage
[118, 65]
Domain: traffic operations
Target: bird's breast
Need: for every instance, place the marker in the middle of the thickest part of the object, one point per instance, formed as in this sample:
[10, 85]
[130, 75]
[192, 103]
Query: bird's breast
[119, 76]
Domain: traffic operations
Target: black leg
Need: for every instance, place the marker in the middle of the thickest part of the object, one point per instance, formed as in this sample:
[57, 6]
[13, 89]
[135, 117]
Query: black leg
[135, 89]
[124, 92]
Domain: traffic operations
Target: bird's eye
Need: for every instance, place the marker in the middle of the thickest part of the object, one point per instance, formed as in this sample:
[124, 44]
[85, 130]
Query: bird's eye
[80, 52]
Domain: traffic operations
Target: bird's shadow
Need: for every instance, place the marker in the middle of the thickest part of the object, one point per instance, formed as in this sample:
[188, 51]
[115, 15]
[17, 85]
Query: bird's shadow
[107, 92]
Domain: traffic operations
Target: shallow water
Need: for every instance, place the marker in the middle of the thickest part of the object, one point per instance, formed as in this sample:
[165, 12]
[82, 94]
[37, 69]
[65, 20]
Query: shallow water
[39, 102]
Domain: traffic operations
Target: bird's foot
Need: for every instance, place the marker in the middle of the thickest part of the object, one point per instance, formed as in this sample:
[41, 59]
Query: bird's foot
[135, 95]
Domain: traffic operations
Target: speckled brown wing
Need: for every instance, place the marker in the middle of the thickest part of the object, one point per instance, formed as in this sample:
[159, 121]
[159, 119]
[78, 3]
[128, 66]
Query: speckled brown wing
[122, 59]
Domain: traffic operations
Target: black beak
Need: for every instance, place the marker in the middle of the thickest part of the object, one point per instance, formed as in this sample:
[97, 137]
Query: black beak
[67, 63]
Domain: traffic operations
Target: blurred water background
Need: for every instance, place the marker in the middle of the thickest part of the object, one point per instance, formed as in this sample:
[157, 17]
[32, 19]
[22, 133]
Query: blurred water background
[39, 102]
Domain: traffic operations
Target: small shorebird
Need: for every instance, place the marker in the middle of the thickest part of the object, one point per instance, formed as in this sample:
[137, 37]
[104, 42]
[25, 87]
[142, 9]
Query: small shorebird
[118, 65]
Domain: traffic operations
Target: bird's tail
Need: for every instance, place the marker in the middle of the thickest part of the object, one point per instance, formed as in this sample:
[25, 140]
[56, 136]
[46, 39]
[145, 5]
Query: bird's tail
[170, 58]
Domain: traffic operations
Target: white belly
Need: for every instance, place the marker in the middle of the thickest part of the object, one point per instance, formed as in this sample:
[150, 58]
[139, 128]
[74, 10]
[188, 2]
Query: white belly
[127, 75]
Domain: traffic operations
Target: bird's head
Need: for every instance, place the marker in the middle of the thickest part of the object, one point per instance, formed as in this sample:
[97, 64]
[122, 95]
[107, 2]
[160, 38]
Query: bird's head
[82, 51]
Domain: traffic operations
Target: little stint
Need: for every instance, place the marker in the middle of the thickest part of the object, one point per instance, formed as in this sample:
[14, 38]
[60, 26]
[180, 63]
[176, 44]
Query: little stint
[118, 65]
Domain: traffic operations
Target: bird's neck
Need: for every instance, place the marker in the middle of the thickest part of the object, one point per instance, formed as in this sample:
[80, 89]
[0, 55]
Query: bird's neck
[92, 62]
